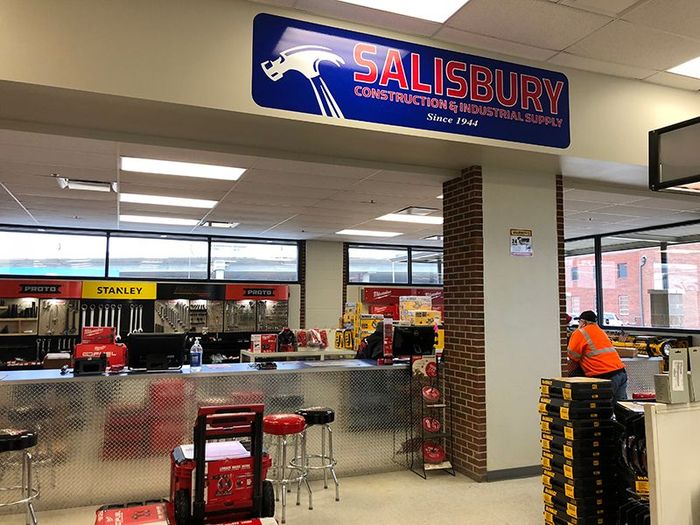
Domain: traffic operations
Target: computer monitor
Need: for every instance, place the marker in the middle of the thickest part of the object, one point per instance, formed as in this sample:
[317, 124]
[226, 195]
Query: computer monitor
[414, 340]
[154, 352]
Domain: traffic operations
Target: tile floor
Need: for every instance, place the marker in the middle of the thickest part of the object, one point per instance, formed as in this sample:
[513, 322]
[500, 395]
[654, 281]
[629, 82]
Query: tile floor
[400, 498]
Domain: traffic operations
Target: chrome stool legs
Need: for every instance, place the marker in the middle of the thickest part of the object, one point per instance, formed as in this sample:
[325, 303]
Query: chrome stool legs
[284, 473]
[28, 492]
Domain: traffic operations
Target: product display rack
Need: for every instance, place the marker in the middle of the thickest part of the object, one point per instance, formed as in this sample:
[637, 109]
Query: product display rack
[430, 437]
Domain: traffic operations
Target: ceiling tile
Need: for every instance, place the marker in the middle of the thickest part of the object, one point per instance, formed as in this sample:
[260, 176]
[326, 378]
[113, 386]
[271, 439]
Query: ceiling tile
[491, 44]
[606, 7]
[635, 211]
[600, 66]
[676, 81]
[680, 203]
[571, 206]
[599, 196]
[522, 21]
[365, 15]
[625, 43]
[681, 17]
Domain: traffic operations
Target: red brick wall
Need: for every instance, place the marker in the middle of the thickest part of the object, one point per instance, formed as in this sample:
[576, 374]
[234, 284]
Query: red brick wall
[464, 319]
[562, 270]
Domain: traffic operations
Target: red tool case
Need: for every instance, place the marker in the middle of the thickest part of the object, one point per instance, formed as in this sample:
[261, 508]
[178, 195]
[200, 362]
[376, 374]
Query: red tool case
[207, 484]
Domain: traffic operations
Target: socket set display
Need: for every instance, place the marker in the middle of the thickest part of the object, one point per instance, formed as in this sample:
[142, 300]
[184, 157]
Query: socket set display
[579, 454]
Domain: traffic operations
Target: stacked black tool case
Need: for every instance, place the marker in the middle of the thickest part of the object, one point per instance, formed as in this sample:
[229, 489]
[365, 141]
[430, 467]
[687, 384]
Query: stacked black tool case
[579, 457]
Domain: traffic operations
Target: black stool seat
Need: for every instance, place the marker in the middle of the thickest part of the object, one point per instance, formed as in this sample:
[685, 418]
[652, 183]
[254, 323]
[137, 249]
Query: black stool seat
[317, 415]
[16, 439]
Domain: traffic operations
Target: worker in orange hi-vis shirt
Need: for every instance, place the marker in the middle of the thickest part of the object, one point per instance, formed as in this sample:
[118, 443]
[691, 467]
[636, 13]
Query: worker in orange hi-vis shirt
[591, 349]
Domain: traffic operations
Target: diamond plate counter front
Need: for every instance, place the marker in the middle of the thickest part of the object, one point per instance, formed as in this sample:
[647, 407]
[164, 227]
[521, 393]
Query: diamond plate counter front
[108, 439]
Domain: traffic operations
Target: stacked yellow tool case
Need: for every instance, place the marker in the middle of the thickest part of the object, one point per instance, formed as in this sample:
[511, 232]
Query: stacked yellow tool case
[578, 454]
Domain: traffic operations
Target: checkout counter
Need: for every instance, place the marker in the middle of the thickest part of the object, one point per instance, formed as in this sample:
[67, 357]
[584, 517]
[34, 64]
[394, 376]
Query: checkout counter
[108, 438]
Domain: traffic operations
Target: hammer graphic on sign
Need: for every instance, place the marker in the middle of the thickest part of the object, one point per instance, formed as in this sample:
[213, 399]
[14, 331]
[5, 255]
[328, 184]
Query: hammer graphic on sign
[305, 60]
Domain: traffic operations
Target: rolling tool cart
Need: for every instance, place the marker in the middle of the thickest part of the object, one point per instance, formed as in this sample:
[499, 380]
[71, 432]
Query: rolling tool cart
[222, 481]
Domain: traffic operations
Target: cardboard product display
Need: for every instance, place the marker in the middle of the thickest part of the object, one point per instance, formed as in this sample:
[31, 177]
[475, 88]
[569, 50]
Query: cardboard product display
[673, 386]
[146, 513]
[694, 367]
[116, 353]
[263, 343]
[101, 335]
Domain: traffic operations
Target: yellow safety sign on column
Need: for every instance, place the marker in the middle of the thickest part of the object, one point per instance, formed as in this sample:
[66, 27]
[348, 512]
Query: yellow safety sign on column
[118, 290]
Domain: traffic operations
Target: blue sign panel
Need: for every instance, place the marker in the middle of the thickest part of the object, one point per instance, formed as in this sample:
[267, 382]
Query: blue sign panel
[321, 70]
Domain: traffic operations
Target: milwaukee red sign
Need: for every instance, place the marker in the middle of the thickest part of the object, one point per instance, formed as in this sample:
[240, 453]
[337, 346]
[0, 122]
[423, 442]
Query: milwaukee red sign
[240, 292]
[42, 289]
[391, 295]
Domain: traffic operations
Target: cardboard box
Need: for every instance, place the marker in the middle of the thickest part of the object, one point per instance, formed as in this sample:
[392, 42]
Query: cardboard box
[422, 317]
[144, 514]
[116, 353]
[98, 335]
[694, 367]
[263, 343]
[410, 303]
[673, 387]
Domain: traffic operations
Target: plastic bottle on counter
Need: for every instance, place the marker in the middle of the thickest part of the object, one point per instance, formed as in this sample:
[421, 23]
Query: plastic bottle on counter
[196, 356]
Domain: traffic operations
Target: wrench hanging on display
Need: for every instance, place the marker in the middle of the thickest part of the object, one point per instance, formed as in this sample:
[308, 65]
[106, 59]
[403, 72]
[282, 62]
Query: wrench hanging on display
[92, 315]
[131, 318]
[140, 318]
[84, 309]
[113, 308]
[119, 320]
[99, 316]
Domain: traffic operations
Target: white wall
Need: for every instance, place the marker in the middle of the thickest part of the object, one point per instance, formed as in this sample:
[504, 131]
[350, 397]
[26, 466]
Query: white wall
[521, 312]
[324, 283]
[198, 53]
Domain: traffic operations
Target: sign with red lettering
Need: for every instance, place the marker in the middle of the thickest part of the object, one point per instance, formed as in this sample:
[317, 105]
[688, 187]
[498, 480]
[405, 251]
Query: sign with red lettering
[391, 295]
[321, 70]
[239, 292]
[13, 288]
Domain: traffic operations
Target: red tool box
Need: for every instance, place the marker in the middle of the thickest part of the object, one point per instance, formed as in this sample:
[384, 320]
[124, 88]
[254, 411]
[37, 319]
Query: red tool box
[224, 481]
[116, 353]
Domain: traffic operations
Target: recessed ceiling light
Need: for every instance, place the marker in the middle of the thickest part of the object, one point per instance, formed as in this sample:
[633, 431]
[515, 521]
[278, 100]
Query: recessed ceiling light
[181, 169]
[418, 219]
[433, 238]
[434, 11]
[173, 221]
[368, 233]
[691, 68]
[166, 201]
[85, 185]
[218, 224]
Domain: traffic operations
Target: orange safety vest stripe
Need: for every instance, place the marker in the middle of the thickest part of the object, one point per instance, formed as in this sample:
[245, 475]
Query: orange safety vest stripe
[591, 347]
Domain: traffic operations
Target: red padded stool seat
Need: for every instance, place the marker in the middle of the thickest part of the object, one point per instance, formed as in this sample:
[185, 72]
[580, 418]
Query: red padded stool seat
[283, 424]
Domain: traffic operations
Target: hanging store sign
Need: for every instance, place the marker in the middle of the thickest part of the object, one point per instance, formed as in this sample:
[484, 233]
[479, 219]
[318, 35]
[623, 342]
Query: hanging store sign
[239, 292]
[41, 289]
[119, 290]
[321, 70]
[390, 296]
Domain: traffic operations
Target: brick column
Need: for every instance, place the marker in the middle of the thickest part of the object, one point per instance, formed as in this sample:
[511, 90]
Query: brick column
[302, 284]
[562, 270]
[464, 319]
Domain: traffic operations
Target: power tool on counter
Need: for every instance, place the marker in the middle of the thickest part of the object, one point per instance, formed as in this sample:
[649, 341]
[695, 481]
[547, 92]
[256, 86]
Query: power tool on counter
[651, 345]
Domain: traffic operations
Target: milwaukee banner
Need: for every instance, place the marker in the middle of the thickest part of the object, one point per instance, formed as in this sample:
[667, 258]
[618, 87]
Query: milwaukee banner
[315, 69]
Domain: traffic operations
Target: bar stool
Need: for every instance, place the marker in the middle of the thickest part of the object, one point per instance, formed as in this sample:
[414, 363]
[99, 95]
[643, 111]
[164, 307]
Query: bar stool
[16, 440]
[282, 473]
[322, 416]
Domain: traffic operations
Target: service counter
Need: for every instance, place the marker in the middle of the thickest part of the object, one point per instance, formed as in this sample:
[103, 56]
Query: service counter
[107, 439]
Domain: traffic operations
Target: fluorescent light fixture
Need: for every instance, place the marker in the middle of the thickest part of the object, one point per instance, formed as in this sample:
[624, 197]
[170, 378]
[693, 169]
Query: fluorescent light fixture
[418, 219]
[172, 221]
[218, 224]
[691, 68]
[438, 11]
[440, 196]
[85, 185]
[433, 238]
[368, 233]
[166, 201]
[181, 169]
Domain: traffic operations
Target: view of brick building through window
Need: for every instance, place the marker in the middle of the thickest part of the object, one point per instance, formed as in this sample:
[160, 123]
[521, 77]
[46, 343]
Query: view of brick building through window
[669, 290]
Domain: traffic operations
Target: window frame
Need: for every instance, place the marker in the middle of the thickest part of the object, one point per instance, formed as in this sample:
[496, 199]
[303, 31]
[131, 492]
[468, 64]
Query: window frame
[108, 233]
[409, 251]
[598, 252]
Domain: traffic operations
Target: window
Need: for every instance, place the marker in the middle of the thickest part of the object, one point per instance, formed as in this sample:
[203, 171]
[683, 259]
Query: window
[622, 270]
[426, 266]
[52, 254]
[377, 265]
[579, 261]
[247, 261]
[623, 306]
[148, 258]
